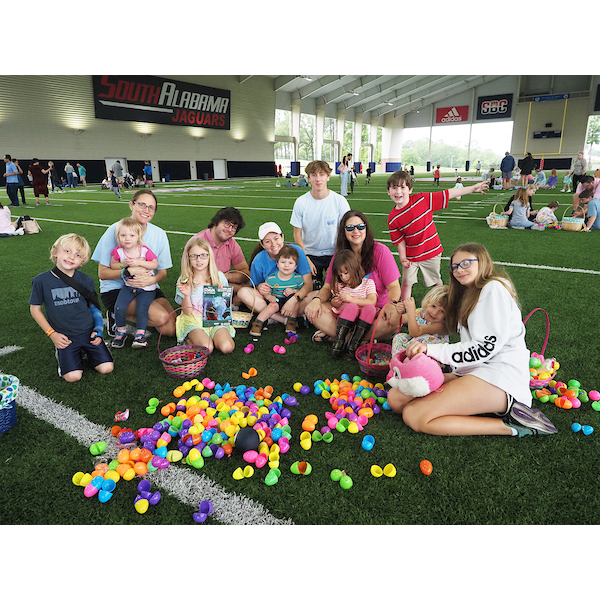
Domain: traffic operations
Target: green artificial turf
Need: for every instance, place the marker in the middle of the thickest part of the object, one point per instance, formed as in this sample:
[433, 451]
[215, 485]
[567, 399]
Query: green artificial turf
[479, 480]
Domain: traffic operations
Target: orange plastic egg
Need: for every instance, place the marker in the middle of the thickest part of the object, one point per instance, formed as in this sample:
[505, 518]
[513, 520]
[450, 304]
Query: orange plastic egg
[426, 467]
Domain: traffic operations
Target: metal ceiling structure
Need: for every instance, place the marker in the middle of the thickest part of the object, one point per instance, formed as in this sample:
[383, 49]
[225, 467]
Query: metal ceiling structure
[377, 95]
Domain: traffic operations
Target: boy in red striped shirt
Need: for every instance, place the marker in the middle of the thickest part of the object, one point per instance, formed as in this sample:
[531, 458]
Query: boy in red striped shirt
[412, 229]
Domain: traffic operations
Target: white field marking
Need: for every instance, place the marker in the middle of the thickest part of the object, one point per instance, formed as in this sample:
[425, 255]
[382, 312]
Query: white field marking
[9, 349]
[383, 241]
[182, 482]
[522, 265]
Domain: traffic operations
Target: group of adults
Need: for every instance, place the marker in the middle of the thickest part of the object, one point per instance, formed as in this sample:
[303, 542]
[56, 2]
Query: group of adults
[340, 228]
[40, 178]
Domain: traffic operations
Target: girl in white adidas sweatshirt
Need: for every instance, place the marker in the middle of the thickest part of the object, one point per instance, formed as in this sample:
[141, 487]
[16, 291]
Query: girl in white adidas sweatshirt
[490, 363]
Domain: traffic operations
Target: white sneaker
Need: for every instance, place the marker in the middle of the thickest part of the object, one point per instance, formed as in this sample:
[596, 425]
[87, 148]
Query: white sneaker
[19, 231]
[538, 227]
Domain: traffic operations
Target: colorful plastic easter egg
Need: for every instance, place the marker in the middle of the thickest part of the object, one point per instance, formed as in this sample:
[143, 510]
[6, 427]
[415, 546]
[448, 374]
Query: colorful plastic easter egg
[142, 506]
[368, 442]
[376, 471]
[336, 475]
[346, 482]
[594, 395]
[389, 470]
[426, 467]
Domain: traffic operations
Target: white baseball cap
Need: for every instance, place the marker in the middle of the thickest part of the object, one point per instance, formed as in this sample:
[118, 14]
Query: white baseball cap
[269, 227]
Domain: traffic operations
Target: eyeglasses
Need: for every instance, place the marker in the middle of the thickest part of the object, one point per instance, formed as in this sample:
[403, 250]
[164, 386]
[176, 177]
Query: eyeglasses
[463, 264]
[360, 227]
[203, 256]
[229, 225]
[143, 206]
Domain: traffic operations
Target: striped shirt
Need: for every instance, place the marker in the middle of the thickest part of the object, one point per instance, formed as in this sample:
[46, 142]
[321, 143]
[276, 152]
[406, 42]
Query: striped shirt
[414, 224]
[366, 287]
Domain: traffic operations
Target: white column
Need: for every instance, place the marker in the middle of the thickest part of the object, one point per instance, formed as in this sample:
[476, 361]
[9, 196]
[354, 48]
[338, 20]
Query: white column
[319, 131]
[373, 136]
[296, 126]
[339, 130]
[392, 139]
[357, 137]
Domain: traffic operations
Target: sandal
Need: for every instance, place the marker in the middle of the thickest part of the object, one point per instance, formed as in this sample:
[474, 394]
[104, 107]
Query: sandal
[320, 337]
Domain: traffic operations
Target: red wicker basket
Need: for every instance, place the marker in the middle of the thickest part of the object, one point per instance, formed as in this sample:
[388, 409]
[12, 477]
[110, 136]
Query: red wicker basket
[183, 361]
[374, 358]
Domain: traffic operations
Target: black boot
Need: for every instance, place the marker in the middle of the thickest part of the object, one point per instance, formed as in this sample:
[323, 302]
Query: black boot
[342, 330]
[359, 333]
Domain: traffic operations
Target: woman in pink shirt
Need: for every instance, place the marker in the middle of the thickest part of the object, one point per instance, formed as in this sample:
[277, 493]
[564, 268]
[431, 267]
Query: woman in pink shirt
[354, 233]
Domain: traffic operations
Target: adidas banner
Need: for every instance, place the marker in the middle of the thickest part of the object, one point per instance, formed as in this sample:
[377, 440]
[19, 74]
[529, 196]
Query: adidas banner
[452, 114]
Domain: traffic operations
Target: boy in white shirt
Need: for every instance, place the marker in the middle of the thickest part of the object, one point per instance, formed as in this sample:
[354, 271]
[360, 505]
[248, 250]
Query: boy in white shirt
[315, 217]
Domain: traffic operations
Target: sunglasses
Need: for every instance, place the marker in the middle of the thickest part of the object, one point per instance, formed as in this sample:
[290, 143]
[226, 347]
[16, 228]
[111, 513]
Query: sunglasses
[360, 227]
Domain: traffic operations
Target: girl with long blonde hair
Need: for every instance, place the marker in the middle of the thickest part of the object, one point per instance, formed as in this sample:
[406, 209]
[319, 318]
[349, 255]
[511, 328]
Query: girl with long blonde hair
[490, 364]
[198, 270]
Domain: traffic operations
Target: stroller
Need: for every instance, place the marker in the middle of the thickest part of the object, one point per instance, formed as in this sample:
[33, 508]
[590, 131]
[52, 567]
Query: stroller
[128, 181]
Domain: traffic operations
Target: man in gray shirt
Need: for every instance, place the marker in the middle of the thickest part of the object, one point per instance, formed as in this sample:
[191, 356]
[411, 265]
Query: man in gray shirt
[117, 169]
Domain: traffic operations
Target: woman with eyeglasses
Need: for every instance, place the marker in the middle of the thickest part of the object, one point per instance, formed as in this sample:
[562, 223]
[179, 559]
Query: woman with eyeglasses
[143, 206]
[354, 233]
[490, 364]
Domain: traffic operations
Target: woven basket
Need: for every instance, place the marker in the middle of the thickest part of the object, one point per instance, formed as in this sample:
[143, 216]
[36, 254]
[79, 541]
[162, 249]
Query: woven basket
[541, 383]
[571, 223]
[497, 220]
[374, 359]
[239, 319]
[183, 361]
[9, 390]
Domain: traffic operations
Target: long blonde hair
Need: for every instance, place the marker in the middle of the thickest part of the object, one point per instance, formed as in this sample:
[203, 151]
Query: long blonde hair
[461, 299]
[187, 272]
[522, 197]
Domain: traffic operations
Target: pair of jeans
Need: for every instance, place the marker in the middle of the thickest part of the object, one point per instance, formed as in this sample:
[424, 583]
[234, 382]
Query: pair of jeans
[143, 298]
[11, 191]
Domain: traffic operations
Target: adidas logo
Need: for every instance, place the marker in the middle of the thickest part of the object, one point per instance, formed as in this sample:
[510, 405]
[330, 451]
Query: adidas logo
[451, 116]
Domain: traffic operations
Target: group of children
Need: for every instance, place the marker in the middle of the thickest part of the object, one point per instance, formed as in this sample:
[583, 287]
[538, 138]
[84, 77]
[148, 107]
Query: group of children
[489, 363]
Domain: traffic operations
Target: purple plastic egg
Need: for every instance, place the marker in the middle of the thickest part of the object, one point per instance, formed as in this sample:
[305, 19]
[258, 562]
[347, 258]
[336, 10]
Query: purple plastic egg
[305, 390]
[200, 517]
[285, 413]
[127, 437]
[291, 401]
[154, 498]
[144, 486]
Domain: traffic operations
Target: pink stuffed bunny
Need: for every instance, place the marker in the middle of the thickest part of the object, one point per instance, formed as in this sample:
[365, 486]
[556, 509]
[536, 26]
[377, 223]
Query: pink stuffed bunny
[415, 377]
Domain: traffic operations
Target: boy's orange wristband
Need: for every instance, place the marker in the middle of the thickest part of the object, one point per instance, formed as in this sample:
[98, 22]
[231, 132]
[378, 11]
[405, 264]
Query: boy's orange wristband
[50, 332]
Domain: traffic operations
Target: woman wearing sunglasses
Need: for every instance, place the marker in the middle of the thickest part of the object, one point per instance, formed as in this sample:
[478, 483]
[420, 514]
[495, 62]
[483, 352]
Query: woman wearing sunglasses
[377, 260]
[143, 207]
[490, 364]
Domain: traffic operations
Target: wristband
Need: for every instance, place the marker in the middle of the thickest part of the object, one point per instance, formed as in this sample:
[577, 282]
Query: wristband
[298, 298]
[50, 332]
[317, 298]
